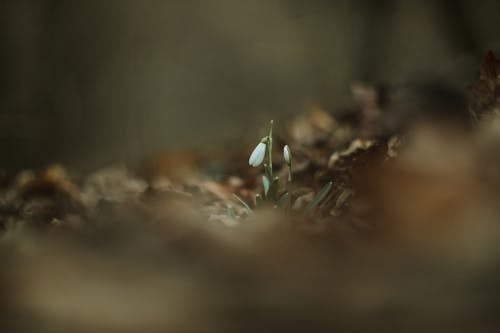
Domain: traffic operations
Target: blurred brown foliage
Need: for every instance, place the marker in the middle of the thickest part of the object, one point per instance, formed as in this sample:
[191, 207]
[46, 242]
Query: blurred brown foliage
[406, 241]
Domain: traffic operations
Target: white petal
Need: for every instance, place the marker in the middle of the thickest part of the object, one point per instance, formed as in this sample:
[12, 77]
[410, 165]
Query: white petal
[287, 155]
[257, 155]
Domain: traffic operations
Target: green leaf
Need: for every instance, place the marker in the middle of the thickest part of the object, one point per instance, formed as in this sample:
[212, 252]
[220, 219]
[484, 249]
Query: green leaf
[247, 207]
[266, 184]
[284, 201]
[342, 199]
[269, 171]
[319, 197]
[273, 189]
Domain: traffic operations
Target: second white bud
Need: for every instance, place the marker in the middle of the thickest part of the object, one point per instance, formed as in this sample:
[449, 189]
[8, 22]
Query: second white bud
[287, 154]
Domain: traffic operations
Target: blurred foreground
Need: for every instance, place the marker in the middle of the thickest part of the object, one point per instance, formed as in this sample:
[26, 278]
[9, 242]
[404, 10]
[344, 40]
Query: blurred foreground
[407, 241]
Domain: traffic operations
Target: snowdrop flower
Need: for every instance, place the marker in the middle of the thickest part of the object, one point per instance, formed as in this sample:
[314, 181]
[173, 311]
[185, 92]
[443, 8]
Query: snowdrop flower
[287, 155]
[257, 155]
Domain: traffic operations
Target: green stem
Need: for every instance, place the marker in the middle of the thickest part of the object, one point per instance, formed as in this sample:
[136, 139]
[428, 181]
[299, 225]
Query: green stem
[270, 146]
[290, 172]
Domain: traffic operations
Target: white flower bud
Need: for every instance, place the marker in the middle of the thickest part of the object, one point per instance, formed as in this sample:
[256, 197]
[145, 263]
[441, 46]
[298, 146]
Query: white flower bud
[287, 154]
[257, 155]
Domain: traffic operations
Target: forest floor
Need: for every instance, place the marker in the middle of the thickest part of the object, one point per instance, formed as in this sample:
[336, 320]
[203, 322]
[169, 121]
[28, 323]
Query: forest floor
[390, 223]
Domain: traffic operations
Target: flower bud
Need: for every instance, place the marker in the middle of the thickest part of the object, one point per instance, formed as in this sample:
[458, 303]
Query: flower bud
[287, 154]
[257, 155]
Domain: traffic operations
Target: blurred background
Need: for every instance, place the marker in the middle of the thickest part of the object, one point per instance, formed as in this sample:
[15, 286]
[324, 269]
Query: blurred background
[90, 82]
